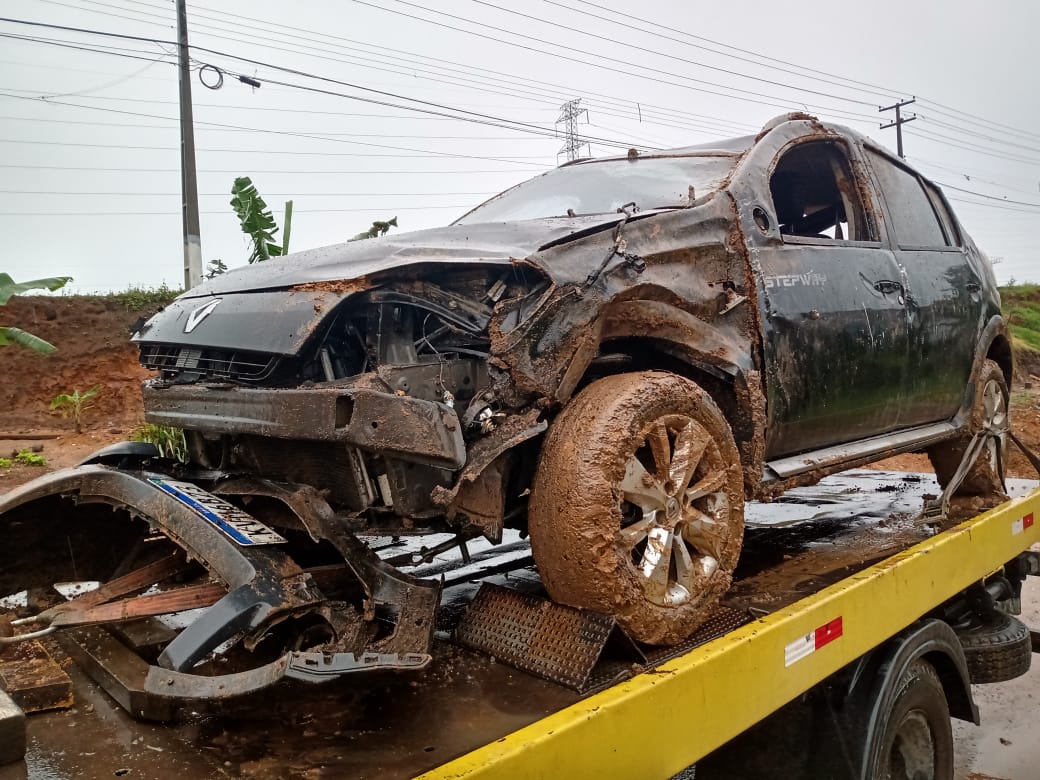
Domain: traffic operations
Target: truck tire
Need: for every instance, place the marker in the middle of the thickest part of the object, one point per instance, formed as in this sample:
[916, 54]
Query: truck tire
[997, 649]
[989, 413]
[637, 509]
[916, 740]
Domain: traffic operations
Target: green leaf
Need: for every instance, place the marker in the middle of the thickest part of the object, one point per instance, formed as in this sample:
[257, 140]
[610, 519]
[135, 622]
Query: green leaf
[12, 335]
[256, 220]
[378, 229]
[9, 288]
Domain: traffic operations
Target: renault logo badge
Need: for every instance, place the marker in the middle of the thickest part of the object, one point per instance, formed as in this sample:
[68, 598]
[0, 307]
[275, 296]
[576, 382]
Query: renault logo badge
[196, 316]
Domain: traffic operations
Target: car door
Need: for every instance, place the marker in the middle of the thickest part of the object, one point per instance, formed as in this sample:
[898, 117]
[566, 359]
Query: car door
[943, 291]
[834, 319]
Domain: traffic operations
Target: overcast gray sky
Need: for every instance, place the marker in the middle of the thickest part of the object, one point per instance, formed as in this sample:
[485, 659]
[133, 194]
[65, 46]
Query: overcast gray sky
[89, 142]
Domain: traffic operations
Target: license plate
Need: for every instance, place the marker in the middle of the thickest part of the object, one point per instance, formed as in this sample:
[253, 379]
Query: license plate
[237, 524]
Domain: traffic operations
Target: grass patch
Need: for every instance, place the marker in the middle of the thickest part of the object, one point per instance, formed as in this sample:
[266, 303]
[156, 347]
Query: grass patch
[1021, 304]
[169, 441]
[30, 458]
[134, 298]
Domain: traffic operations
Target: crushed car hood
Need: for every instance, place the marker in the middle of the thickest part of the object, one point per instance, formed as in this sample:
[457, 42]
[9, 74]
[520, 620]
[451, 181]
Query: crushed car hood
[495, 242]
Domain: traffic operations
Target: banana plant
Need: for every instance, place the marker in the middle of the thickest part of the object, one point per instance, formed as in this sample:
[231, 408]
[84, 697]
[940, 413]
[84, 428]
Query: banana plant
[12, 335]
[257, 221]
[74, 404]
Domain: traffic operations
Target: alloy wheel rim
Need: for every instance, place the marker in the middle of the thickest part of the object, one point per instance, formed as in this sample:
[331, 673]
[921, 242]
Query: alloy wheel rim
[675, 510]
[994, 425]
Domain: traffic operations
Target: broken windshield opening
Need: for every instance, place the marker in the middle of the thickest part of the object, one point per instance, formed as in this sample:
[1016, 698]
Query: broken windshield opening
[602, 187]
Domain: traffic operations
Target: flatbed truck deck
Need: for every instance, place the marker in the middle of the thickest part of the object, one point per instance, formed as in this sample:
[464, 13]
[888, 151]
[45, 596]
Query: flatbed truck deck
[831, 575]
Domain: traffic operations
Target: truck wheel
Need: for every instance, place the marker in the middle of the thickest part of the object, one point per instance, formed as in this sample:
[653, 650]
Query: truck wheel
[637, 509]
[990, 414]
[916, 740]
[997, 649]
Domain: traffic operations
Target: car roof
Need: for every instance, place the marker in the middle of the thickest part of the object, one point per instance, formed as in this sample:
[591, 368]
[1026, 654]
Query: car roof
[727, 147]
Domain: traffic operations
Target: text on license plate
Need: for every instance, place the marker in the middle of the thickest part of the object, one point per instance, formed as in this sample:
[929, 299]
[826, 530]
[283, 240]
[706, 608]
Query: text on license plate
[237, 524]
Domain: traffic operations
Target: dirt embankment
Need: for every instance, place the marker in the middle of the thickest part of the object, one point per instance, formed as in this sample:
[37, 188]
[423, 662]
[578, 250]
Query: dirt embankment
[92, 334]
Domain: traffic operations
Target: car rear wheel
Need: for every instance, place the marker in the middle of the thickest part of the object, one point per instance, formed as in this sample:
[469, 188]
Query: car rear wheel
[989, 417]
[638, 507]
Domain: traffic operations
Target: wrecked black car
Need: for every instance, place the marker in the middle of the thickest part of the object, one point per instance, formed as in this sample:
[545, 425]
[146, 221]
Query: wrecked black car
[612, 357]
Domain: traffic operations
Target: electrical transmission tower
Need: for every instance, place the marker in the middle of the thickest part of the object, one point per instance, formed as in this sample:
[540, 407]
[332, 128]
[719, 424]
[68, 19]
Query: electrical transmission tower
[899, 122]
[569, 113]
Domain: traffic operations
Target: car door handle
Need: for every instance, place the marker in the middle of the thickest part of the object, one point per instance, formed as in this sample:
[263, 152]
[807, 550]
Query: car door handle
[887, 286]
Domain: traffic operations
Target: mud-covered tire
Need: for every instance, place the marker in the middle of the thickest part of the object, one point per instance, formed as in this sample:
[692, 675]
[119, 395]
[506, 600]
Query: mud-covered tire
[990, 409]
[637, 509]
[999, 648]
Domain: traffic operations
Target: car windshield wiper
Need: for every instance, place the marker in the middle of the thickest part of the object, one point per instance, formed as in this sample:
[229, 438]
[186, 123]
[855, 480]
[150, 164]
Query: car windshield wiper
[618, 247]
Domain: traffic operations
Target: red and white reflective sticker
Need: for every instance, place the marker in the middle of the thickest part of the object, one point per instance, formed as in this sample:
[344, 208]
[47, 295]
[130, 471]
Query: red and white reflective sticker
[813, 641]
[1018, 526]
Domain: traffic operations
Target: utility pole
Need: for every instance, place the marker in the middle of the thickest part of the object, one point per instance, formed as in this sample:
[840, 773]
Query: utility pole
[569, 113]
[189, 186]
[898, 123]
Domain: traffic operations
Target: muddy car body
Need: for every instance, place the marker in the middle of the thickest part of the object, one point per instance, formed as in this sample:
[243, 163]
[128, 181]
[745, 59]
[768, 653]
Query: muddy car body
[613, 357]
[819, 291]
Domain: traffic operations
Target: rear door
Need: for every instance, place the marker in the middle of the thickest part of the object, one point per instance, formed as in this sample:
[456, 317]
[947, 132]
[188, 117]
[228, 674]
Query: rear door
[942, 293]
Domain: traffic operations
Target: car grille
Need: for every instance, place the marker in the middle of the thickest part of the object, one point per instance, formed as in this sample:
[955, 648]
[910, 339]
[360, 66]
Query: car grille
[227, 364]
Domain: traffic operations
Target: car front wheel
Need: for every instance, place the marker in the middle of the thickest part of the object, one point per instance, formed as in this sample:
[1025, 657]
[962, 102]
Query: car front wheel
[638, 504]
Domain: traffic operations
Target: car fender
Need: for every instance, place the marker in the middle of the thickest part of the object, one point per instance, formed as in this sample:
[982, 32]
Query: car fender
[996, 327]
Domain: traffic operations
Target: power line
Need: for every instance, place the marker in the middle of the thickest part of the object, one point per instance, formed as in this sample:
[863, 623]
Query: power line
[431, 107]
[872, 88]
[265, 130]
[598, 5]
[265, 109]
[225, 194]
[971, 147]
[518, 159]
[295, 172]
[298, 86]
[697, 119]
[645, 50]
[769, 99]
[920, 161]
[470, 116]
[381, 210]
[992, 205]
[977, 134]
[410, 58]
[869, 87]
[423, 136]
[988, 197]
[977, 120]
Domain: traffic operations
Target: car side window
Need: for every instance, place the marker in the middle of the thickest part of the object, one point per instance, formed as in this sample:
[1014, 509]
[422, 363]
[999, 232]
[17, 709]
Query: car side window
[815, 195]
[945, 218]
[914, 220]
